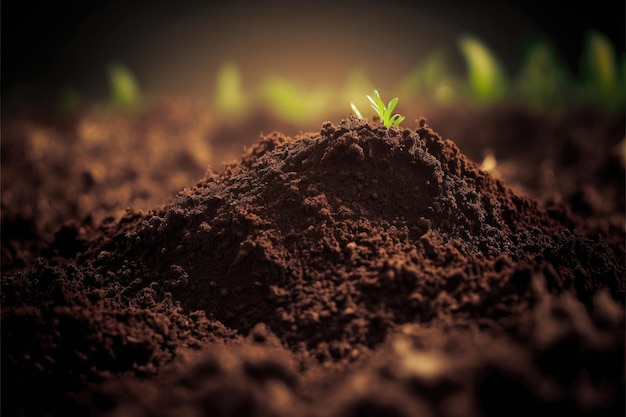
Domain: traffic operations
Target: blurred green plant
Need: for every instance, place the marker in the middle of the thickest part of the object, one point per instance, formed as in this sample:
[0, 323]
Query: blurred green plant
[431, 79]
[487, 80]
[352, 90]
[543, 82]
[229, 94]
[123, 88]
[383, 111]
[292, 102]
[69, 100]
[601, 79]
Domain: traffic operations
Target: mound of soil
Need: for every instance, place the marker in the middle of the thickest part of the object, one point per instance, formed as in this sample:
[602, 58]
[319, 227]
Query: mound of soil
[358, 271]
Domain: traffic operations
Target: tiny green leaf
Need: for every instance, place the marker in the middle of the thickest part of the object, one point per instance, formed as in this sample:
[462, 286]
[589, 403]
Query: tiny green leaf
[356, 111]
[381, 103]
[390, 107]
[396, 120]
[383, 112]
[374, 103]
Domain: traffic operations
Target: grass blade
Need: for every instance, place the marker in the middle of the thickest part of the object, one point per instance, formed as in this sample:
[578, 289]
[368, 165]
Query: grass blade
[356, 111]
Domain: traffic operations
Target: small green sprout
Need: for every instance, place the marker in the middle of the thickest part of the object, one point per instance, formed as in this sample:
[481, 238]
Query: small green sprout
[384, 112]
[356, 111]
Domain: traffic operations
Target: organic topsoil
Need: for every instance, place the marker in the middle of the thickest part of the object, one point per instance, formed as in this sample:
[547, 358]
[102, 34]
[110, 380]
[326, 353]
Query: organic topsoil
[355, 271]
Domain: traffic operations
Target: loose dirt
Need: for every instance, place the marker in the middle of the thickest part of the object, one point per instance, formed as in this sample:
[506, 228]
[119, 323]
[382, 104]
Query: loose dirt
[354, 271]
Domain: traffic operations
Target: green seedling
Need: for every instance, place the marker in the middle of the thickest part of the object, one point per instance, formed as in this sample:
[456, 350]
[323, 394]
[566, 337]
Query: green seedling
[384, 112]
[487, 80]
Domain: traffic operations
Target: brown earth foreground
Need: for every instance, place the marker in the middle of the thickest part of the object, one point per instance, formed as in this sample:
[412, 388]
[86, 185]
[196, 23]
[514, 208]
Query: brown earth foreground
[358, 271]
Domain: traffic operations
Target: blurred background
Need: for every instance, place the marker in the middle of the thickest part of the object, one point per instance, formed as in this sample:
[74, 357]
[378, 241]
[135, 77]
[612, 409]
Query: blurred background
[303, 58]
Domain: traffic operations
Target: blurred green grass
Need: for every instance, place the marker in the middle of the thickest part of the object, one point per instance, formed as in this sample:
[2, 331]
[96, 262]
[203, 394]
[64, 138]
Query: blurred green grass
[542, 82]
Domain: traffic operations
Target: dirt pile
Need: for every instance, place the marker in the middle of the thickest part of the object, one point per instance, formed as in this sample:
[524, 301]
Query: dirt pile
[358, 271]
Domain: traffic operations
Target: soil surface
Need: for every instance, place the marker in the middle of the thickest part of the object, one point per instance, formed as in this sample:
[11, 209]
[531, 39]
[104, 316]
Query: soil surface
[351, 271]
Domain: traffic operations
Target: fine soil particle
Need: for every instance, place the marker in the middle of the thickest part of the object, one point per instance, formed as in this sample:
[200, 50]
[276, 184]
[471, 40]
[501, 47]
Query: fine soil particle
[358, 271]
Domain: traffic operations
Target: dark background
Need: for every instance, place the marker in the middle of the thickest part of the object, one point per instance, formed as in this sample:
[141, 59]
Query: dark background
[176, 46]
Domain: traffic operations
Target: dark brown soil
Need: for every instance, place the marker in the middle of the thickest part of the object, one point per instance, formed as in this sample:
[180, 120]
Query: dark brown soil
[354, 271]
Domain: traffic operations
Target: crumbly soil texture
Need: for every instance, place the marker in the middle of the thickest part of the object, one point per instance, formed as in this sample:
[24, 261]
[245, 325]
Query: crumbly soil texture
[354, 271]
